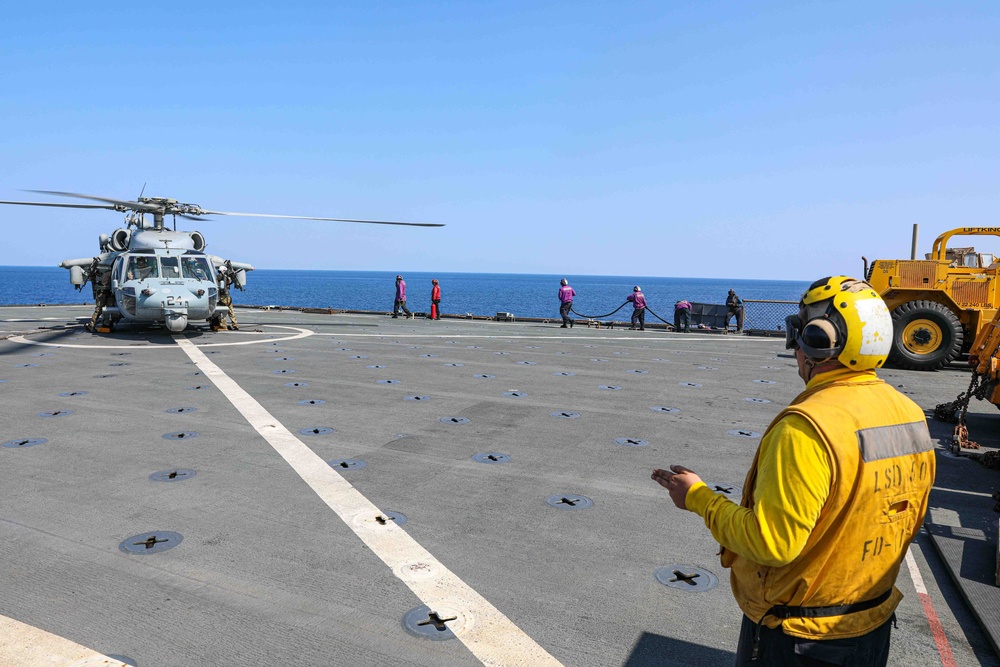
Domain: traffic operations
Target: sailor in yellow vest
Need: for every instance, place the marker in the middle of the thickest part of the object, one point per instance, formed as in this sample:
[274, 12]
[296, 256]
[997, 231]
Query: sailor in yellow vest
[837, 490]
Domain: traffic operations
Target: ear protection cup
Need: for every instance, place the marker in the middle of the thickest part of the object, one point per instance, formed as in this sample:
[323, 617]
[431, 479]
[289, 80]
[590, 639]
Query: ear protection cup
[820, 335]
[821, 339]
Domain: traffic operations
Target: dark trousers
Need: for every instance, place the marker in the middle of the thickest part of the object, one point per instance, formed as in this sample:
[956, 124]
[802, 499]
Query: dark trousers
[682, 319]
[738, 312]
[397, 304]
[564, 309]
[776, 649]
[639, 315]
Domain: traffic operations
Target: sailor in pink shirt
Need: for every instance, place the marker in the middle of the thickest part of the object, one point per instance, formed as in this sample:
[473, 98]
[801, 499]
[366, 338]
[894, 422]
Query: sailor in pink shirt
[639, 308]
[400, 301]
[682, 316]
[566, 294]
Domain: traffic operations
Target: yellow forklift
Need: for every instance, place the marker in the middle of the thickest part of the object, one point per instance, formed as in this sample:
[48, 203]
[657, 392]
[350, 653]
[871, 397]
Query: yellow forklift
[938, 304]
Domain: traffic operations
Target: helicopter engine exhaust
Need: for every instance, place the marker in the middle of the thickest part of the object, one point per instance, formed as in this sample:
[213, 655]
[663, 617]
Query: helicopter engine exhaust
[198, 239]
[119, 239]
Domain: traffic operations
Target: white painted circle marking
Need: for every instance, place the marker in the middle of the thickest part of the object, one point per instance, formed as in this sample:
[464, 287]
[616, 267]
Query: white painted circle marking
[302, 333]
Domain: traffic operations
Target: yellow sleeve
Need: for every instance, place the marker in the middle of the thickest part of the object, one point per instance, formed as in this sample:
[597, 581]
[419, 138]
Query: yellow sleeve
[793, 484]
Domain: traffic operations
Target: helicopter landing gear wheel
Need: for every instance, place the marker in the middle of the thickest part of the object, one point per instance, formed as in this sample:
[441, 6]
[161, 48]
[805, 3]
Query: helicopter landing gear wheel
[926, 336]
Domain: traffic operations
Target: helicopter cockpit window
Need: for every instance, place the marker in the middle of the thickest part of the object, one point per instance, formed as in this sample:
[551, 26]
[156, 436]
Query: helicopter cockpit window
[196, 267]
[170, 266]
[141, 268]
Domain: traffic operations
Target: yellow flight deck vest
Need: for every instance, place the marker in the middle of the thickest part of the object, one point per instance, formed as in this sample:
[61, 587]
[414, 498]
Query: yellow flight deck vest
[882, 464]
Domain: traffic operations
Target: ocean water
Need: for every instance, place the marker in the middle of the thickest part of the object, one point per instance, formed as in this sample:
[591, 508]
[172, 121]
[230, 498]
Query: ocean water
[524, 295]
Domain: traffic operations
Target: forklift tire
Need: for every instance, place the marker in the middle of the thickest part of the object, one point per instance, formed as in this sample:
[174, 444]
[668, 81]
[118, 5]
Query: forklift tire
[926, 336]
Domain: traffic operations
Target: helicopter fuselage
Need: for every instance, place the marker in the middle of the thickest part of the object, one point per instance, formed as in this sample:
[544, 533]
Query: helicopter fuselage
[157, 276]
[168, 286]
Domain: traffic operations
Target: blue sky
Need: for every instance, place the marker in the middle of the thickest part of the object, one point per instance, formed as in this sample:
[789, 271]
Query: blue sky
[773, 140]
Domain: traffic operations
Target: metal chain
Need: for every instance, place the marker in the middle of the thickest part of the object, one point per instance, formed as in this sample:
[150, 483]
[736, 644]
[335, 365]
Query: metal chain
[954, 412]
[991, 459]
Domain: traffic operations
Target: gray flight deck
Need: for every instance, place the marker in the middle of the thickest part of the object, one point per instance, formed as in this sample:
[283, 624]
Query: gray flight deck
[266, 573]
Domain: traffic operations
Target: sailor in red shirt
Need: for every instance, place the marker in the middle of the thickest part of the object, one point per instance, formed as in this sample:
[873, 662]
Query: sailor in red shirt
[435, 300]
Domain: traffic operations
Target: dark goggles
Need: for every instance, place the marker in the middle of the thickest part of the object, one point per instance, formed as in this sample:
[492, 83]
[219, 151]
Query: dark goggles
[793, 331]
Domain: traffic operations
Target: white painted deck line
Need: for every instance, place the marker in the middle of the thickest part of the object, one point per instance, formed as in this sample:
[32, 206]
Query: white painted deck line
[484, 630]
[27, 646]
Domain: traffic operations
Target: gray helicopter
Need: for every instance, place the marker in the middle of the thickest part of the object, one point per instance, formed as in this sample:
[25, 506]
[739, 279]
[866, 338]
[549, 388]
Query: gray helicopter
[148, 274]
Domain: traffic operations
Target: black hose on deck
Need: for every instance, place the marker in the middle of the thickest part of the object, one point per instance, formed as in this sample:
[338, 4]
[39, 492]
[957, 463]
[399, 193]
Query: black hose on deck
[669, 324]
[595, 317]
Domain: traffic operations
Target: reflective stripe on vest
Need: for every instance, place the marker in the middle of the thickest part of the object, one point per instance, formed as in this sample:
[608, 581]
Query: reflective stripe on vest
[886, 442]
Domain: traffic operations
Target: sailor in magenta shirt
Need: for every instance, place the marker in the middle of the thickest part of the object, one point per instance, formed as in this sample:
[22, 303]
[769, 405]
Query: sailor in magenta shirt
[566, 294]
[682, 315]
[639, 308]
[400, 301]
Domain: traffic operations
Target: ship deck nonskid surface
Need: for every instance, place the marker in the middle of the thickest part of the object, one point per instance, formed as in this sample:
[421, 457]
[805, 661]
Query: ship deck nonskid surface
[268, 572]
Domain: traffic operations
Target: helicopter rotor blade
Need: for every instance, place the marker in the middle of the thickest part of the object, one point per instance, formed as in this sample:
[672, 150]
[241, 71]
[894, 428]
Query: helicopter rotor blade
[134, 205]
[191, 217]
[190, 211]
[305, 217]
[59, 205]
